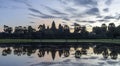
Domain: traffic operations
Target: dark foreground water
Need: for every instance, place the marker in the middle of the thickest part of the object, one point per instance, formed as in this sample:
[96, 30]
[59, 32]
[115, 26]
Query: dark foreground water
[60, 54]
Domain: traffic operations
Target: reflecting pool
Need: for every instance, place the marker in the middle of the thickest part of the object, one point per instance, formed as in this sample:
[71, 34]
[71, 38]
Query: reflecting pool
[87, 54]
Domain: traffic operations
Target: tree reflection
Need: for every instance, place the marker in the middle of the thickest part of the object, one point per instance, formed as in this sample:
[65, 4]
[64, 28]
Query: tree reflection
[113, 54]
[78, 54]
[18, 51]
[6, 52]
[60, 53]
[41, 53]
[66, 53]
[105, 50]
[105, 53]
[53, 53]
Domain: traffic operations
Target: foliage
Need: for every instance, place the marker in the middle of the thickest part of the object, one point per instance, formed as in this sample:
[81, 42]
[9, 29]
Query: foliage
[62, 32]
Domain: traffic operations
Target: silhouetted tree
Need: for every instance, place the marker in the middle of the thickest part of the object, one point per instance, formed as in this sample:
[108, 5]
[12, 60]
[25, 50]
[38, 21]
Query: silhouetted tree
[103, 30]
[77, 28]
[111, 30]
[117, 32]
[84, 32]
[8, 29]
[60, 28]
[97, 30]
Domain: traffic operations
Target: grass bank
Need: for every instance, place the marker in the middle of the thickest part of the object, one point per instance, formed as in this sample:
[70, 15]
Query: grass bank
[117, 41]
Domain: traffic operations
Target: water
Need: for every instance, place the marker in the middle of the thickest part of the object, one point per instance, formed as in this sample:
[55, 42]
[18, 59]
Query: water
[59, 54]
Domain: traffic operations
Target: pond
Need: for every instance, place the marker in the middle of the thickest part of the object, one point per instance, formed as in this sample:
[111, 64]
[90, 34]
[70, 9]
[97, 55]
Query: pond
[60, 54]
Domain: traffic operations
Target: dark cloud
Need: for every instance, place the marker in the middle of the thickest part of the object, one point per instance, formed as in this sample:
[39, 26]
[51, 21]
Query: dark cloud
[43, 16]
[108, 2]
[106, 10]
[91, 21]
[109, 17]
[66, 19]
[53, 11]
[48, 16]
[92, 11]
[86, 2]
[84, 21]
[103, 20]
[33, 15]
[35, 11]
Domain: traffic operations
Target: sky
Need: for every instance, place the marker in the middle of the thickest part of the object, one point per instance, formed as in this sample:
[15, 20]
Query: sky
[35, 12]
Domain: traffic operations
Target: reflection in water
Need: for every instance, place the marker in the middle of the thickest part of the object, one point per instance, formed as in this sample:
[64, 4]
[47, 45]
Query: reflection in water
[78, 54]
[6, 51]
[106, 50]
[60, 54]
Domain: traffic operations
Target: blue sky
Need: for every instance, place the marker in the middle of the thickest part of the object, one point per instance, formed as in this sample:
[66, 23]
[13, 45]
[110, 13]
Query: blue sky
[35, 12]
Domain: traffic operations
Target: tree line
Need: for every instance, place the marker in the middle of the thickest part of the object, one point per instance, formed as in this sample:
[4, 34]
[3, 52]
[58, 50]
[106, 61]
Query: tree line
[62, 32]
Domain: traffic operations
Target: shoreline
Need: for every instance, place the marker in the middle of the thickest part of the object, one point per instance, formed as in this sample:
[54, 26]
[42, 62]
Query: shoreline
[116, 41]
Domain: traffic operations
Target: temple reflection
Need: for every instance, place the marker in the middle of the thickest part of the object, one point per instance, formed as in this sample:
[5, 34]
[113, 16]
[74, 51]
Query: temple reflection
[106, 51]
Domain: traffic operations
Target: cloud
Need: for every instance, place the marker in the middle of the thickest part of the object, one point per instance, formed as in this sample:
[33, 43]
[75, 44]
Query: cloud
[53, 11]
[92, 11]
[33, 15]
[108, 2]
[71, 10]
[106, 10]
[35, 11]
[103, 20]
[84, 21]
[118, 18]
[12, 4]
[32, 22]
[66, 19]
[90, 3]
[77, 20]
[91, 21]
[26, 2]
[48, 16]
[45, 16]
[99, 16]
[85, 3]
[109, 17]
